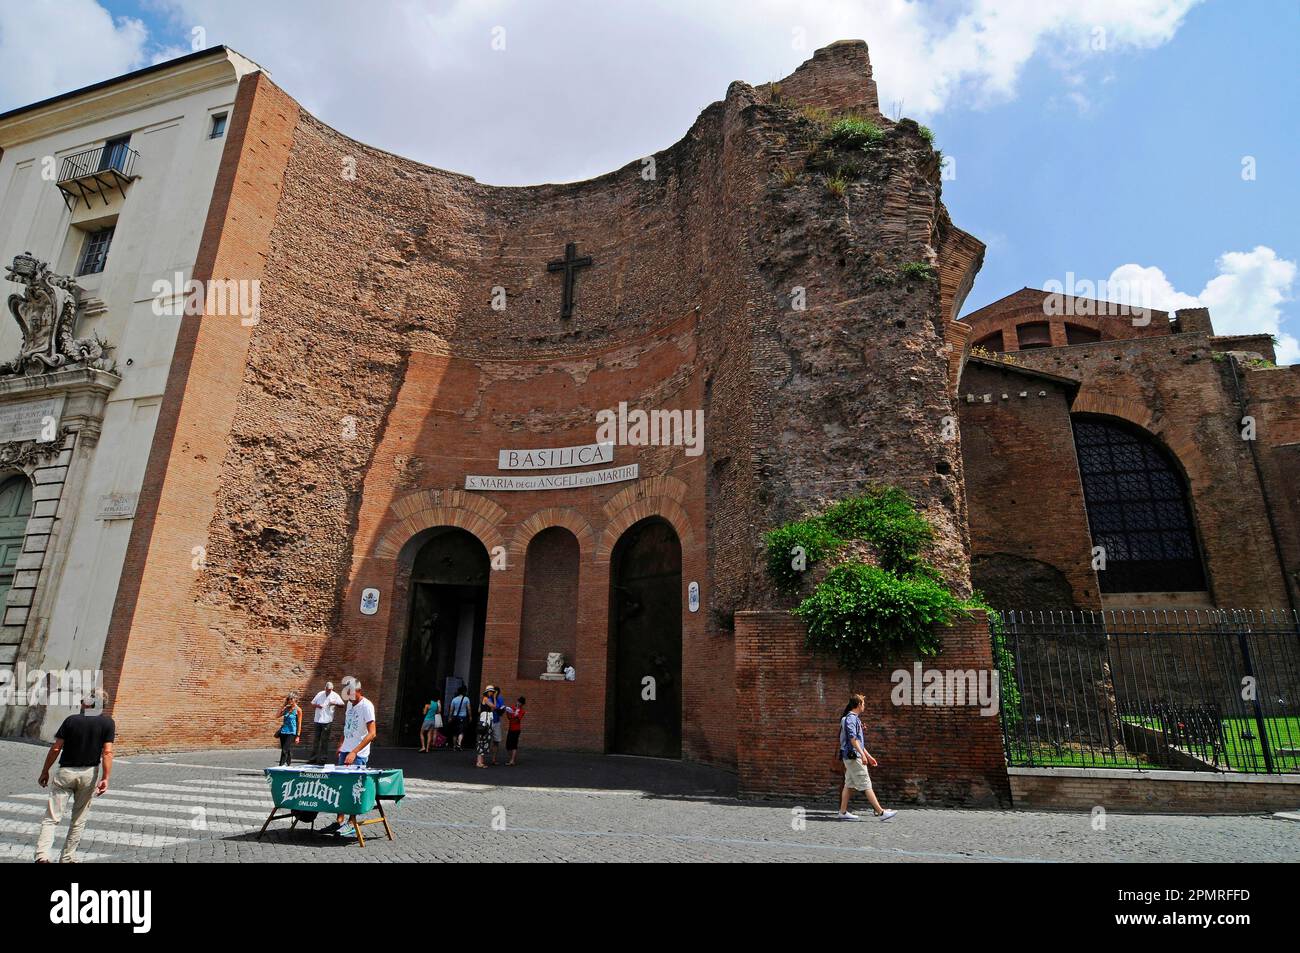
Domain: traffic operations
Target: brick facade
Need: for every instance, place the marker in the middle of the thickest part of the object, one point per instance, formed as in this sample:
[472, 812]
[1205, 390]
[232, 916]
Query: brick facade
[790, 702]
[310, 457]
[1190, 392]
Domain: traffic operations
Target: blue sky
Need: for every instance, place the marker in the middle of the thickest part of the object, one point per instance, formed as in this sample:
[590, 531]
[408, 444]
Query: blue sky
[1087, 135]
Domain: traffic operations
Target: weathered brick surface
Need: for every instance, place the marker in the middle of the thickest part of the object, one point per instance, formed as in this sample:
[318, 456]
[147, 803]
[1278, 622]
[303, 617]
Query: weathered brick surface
[1177, 391]
[311, 454]
[1272, 397]
[1127, 792]
[1030, 545]
[789, 703]
[1174, 380]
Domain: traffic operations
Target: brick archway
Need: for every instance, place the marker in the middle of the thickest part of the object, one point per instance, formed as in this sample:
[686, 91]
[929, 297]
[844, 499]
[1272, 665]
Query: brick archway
[658, 496]
[550, 517]
[1181, 446]
[417, 512]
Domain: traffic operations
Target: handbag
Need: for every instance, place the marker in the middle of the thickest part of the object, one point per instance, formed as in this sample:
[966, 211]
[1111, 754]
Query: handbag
[437, 721]
[485, 718]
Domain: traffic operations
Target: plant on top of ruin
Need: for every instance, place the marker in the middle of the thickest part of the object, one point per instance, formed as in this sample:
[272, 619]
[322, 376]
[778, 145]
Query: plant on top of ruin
[862, 613]
[789, 176]
[837, 185]
[927, 134]
[816, 114]
[854, 132]
[986, 354]
[918, 271]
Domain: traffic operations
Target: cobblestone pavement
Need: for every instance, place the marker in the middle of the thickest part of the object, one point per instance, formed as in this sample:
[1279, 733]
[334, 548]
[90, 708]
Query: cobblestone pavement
[208, 806]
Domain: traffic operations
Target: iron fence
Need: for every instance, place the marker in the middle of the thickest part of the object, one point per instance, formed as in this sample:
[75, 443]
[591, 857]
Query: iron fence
[1201, 690]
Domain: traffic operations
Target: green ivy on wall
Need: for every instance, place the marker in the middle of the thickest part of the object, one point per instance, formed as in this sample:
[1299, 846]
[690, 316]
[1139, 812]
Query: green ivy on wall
[860, 613]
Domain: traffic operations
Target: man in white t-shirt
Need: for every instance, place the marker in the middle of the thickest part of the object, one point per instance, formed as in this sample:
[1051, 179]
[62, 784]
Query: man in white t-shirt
[325, 702]
[358, 732]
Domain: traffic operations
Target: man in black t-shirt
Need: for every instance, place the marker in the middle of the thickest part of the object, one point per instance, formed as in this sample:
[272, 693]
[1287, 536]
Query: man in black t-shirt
[80, 744]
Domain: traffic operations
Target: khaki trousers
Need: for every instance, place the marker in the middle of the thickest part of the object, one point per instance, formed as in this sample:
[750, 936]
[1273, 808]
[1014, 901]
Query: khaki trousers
[79, 785]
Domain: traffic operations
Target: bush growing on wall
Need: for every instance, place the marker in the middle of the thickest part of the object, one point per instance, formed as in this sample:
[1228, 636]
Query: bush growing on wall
[860, 613]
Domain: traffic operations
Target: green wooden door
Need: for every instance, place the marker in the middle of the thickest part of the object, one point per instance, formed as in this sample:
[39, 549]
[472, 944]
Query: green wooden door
[15, 508]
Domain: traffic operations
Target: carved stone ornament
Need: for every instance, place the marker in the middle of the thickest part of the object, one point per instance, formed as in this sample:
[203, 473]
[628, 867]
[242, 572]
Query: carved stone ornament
[28, 453]
[554, 664]
[46, 313]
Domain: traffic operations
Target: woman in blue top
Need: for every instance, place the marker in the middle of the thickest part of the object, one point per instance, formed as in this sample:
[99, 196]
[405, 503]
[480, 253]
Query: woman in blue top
[855, 757]
[290, 727]
[432, 722]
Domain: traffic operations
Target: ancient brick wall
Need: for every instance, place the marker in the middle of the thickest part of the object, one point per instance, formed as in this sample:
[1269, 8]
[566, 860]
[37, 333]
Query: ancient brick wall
[1030, 544]
[1177, 390]
[1032, 306]
[789, 703]
[1273, 399]
[173, 667]
[313, 453]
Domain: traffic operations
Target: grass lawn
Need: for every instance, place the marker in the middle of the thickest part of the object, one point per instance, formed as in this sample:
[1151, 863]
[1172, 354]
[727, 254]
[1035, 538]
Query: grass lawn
[1240, 753]
[1049, 756]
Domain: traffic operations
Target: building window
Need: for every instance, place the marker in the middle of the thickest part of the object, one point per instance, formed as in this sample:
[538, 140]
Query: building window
[1038, 334]
[115, 154]
[218, 126]
[94, 254]
[1077, 334]
[1138, 510]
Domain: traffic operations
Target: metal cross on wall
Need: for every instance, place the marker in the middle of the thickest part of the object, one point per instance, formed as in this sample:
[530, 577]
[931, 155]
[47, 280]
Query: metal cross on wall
[569, 264]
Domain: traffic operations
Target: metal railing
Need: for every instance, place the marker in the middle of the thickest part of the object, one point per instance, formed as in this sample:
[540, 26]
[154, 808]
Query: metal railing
[110, 157]
[1199, 690]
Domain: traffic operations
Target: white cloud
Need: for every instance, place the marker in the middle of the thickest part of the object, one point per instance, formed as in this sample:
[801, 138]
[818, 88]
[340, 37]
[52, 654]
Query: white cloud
[53, 46]
[587, 86]
[1246, 296]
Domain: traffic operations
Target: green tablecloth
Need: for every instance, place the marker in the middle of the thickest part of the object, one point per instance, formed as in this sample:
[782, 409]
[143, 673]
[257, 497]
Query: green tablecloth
[339, 791]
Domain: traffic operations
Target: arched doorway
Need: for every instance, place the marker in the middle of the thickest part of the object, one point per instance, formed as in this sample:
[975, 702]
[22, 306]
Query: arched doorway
[645, 642]
[15, 510]
[444, 640]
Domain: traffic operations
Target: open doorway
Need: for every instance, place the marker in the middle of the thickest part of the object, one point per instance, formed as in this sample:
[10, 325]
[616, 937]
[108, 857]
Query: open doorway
[444, 640]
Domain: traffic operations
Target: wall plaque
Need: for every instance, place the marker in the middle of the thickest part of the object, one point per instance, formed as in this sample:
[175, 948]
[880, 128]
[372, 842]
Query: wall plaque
[554, 481]
[556, 458]
[117, 506]
[30, 420]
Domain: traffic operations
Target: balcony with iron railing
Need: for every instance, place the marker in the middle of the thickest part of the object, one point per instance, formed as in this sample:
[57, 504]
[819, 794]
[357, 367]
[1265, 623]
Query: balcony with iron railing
[97, 172]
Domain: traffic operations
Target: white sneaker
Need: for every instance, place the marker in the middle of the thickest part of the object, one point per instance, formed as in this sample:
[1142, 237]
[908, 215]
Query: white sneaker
[888, 815]
[849, 816]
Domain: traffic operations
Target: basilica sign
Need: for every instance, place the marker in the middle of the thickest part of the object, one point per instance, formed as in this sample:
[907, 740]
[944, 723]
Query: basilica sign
[553, 481]
[556, 458]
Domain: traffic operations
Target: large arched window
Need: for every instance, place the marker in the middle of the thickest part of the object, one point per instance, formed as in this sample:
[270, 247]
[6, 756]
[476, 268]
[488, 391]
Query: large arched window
[1137, 509]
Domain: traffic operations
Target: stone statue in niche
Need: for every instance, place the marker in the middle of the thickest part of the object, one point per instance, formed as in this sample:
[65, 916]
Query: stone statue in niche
[554, 667]
[46, 313]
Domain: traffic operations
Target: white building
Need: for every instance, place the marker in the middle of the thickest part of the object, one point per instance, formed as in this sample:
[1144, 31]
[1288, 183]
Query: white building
[109, 186]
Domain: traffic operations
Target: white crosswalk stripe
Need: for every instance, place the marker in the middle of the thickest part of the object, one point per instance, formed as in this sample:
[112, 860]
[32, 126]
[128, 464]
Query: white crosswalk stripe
[181, 824]
[141, 816]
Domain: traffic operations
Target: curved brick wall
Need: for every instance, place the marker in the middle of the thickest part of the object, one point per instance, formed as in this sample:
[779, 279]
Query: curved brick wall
[305, 453]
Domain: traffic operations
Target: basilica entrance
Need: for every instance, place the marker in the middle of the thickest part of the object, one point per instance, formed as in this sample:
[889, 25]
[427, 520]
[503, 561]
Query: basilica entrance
[645, 639]
[444, 642]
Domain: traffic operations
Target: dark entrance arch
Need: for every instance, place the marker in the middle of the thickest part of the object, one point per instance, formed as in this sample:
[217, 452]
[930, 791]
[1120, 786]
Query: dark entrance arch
[444, 640]
[645, 641]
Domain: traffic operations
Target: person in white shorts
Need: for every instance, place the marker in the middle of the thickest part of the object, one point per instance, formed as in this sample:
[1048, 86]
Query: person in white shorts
[855, 756]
